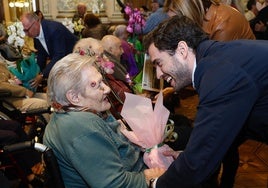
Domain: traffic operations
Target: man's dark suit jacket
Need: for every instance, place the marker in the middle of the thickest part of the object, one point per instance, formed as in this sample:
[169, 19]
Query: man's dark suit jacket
[232, 83]
[60, 42]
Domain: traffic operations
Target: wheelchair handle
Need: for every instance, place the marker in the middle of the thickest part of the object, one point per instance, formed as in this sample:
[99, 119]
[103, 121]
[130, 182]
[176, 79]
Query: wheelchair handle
[25, 145]
[19, 146]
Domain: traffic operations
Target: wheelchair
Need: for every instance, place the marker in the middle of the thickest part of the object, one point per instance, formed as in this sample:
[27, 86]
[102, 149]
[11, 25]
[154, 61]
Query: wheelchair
[52, 175]
[34, 118]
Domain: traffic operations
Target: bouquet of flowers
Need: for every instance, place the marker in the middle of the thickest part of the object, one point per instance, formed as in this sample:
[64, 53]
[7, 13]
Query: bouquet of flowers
[136, 20]
[75, 27]
[16, 35]
[148, 128]
[78, 26]
[26, 67]
[68, 24]
[104, 65]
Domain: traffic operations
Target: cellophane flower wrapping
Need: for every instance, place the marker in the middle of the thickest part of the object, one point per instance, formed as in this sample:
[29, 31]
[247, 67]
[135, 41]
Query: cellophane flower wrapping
[148, 128]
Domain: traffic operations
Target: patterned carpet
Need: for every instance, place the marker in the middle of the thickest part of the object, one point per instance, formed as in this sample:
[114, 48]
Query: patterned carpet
[253, 168]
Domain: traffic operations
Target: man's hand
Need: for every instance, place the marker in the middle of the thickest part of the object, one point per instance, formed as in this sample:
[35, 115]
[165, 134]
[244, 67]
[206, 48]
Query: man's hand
[172, 153]
[261, 27]
[36, 81]
[166, 92]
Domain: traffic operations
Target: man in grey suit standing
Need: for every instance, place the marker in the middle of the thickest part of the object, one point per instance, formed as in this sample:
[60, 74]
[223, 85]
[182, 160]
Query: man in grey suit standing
[231, 79]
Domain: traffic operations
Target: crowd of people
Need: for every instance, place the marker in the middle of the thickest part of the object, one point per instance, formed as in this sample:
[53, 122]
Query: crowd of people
[215, 47]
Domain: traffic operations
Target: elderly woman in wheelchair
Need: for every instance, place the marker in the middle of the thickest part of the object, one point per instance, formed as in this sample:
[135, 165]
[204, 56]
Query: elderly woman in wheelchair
[21, 97]
[20, 103]
[86, 140]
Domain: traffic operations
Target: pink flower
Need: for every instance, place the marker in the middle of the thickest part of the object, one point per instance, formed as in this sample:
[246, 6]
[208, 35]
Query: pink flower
[129, 29]
[137, 28]
[128, 10]
[106, 65]
[136, 21]
[17, 81]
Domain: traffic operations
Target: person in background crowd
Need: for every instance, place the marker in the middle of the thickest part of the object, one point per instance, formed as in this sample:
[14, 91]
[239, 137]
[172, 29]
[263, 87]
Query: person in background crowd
[259, 24]
[3, 34]
[237, 4]
[80, 13]
[221, 73]
[113, 50]
[21, 98]
[220, 21]
[119, 81]
[52, 40]
[127, 57]
[261, 4]
[39, 14]
[93, 27]
[77, 92]
[252, 10]
[145, 11]
[157, 16]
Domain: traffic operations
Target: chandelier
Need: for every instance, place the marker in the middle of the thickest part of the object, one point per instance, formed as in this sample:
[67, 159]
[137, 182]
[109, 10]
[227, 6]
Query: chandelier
[19, 4]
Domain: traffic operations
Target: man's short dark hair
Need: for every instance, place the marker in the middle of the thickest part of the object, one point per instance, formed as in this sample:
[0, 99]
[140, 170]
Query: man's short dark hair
[177, 28]
[250, 3]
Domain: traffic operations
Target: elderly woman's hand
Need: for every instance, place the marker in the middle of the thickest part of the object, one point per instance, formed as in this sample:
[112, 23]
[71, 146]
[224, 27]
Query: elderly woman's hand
[166, 93]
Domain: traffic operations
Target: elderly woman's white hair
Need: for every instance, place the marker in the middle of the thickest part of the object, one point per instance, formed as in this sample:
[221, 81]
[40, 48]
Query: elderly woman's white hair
[120, 30]
[90, 45]
[66, 75]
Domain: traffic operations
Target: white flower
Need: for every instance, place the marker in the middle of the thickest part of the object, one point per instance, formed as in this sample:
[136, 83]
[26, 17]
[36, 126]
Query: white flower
[78, 26]
[68, 24]
[16, 35]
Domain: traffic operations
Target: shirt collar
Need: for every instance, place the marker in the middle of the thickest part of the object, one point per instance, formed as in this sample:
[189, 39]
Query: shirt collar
[41, 34]
[193, 73]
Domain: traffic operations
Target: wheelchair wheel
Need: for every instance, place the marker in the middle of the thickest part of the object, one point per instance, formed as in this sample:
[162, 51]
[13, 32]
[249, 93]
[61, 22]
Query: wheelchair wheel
[4, 116]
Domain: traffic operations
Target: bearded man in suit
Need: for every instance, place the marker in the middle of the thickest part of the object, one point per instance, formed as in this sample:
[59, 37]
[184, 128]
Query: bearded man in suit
[231, 79]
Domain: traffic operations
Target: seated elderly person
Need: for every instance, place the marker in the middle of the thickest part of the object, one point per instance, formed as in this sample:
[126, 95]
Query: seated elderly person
[93, 27]
[114, 74]
[113, 50]
[89, 147]
[128, 57]
[21, 98]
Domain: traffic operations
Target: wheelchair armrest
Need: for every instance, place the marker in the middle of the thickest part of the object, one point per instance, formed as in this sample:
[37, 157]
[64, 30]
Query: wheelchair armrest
[38, 111]
[5, 93]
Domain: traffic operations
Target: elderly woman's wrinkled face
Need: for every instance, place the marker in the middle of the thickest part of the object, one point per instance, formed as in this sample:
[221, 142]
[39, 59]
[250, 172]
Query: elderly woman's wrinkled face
[95, 93]
[117, 49]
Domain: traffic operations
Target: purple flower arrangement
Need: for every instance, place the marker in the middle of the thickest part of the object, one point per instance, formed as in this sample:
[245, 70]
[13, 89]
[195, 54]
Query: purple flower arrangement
[136, 20]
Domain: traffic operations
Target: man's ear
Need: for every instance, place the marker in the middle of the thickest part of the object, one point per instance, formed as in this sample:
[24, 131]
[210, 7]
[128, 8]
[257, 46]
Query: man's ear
[72, 97]
[182, 49]
[111, 49]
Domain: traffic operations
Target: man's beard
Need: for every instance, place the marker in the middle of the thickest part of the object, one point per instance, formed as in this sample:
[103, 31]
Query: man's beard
[183, 76]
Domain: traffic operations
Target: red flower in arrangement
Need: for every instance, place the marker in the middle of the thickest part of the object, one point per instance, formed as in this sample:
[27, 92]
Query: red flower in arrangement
[57, 106]
[102, 62]
[81, 52]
